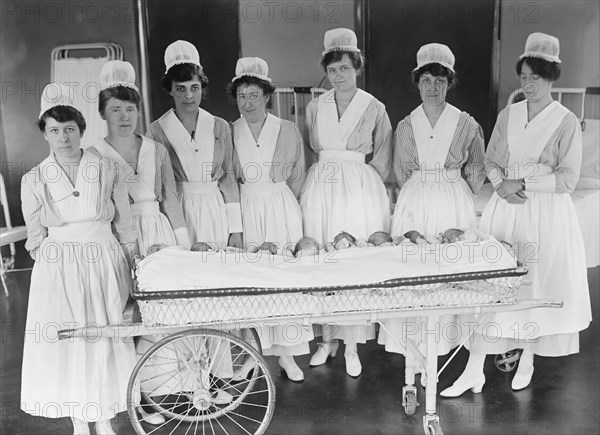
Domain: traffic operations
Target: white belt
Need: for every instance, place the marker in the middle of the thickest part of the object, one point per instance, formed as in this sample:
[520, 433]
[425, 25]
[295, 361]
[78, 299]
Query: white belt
[145, 207]
[262, 188]
[81, 231]
[337, 155]
[198, 187]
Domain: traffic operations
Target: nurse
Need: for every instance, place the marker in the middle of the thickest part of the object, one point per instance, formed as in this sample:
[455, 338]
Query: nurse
[269, 163]
[439, 165]
[344, 192]
[200, 148]
[533, 160]
[81, 234]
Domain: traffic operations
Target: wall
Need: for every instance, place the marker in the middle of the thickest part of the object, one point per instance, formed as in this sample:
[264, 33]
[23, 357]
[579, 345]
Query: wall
[575, 23]
[288, 35]
[29, 32]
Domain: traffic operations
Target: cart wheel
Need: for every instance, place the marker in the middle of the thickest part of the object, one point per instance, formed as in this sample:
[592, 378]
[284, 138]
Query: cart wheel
[187, 376]
[507, 362]
[431, 423]
[434, 428]
[409, 399]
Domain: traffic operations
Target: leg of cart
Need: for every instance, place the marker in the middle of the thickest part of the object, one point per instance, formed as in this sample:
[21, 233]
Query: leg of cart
[431, 421]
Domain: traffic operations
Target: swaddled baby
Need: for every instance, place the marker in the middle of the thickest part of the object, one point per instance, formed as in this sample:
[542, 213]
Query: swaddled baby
[343, 240]
[306, 246]
[380, 238]
[155, 248]
[456, 235]
[203, 247]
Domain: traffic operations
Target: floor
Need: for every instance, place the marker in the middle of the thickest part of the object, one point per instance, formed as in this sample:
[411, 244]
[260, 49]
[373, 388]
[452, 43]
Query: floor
[564, 396]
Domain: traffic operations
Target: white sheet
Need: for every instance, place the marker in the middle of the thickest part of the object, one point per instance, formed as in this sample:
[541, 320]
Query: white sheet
[172, 269]
[587, 207]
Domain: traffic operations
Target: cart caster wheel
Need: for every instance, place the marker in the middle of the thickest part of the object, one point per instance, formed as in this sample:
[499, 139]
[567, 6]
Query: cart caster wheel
[434, 428]
[431, 423]
[187, 378]
[506, 362]
[409, 399]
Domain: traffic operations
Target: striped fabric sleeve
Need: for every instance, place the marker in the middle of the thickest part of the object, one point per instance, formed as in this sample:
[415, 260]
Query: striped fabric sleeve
[170, 204]
[496, 155]
[474, 168]
[156, 133]
[294, 164]
[227, 179]
[122, 223]
[31, 208]
[382, 143]
[404, 156]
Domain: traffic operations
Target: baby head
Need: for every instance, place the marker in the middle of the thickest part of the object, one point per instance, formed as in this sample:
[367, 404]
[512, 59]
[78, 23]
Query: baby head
[306, 246]
[343, 240]
[155, 248]
[452, 235]
[269, 247]
[414, 236]
[201, 247]
[378, 238]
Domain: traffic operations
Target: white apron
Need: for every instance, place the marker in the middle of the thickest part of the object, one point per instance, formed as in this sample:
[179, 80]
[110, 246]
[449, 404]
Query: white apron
[152, 226]
[270, 213]
[341, 192]
[547, 238]
[203, 204]
[434, 199]
[80, 278]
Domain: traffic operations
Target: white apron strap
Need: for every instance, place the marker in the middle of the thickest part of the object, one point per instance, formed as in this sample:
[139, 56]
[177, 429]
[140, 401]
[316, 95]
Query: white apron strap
[195, 153]
[433, 143]
[143, 189]
[527, 140]
[256, 156]
[333, 132]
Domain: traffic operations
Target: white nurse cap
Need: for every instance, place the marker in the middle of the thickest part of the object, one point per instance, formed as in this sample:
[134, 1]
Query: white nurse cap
[56, 94]
[117, 73]
[542, 46]
[253, 67]
[340, 40]
[435, 53]
[181, 52]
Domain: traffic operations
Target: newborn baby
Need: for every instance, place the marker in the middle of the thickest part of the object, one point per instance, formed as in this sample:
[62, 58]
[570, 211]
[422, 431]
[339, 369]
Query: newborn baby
[415, 236]
[452, 235]
[269, 247]
[201, 247]
[155, 248]
[306, 246]
[380, 238]
[343, 240]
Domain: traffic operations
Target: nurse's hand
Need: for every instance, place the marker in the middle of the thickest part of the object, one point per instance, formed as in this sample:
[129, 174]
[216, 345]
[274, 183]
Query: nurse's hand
[236, 240]
[508, 187]
[515, 198]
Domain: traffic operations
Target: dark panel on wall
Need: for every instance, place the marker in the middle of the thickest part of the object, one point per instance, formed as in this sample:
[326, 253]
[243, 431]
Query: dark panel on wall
[396, 30]
[213, 27]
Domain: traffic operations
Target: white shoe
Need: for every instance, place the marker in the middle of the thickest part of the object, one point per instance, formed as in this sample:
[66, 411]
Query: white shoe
[103, 427]
[353, 365]
[326, 349]
[524, 373]
[290, 368]
[154, 418]
[80, 427]
[463, 384]
[242, 373]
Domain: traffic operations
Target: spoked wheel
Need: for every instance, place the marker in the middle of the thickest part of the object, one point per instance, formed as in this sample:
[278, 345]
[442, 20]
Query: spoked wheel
[507, 362]
[199, 381]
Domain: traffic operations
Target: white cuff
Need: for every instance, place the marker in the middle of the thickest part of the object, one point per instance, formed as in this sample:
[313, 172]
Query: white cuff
[182, 238]
[543, 183]
[495, 176]
[234, 217]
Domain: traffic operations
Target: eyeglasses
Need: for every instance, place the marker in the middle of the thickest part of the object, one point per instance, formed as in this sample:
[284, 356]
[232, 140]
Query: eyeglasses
[252, 98]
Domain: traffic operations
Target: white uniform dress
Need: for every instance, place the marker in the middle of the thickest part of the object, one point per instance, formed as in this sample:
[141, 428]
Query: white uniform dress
[545, 232]
[435, 196]
[200, 177]
[270, 213]
[152, 226]
[341, 192]
[80, 278]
